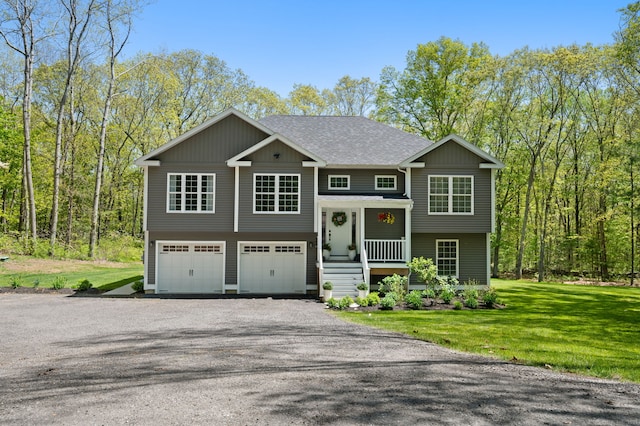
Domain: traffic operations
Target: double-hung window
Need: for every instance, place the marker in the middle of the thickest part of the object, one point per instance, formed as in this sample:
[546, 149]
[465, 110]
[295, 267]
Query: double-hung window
[276, 193]
[447, 258]
[450, 194]
[191, 192]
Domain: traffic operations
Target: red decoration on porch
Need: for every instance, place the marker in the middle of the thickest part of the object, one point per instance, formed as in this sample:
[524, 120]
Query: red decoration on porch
[386, 218]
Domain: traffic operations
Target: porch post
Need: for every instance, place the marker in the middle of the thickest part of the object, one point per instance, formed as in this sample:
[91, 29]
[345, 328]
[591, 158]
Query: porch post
[407, 233]
[362, 229]
[315, 200]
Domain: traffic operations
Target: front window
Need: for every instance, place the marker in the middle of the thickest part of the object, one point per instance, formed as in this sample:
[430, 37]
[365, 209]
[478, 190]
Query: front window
[386, 182]
[339, 182]
[276, 193]
[451, 194]
[447, 258]
[191, 193]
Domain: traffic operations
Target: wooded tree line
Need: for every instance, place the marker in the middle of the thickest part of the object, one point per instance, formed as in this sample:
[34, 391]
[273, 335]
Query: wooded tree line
[75, 114]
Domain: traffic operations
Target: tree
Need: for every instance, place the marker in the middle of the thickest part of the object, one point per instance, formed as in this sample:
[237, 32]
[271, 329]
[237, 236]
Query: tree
[354, 97]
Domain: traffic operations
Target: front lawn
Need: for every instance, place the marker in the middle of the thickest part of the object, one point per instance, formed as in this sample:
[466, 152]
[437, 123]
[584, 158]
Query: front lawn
[589, 330]
[25, 271]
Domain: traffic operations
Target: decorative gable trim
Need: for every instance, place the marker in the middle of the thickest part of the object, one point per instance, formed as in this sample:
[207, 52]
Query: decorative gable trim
[142, 161]
[237, 159]
[490, 161]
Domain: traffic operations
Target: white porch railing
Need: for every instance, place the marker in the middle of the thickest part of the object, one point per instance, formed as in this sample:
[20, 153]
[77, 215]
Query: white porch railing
[385, 250]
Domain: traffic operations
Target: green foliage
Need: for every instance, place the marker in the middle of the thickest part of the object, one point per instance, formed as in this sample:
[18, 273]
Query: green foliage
[457, 305]
[414, 299]
[424, 269]
[394, 284]
[16, 281]
[362, 301]
[429, 293]
[36, 283]
[137, 286]
[362, 286]
[470, 294]
[84, 285]
[470, 301]
[490, 297]
[345, 302]
[59, 282]
[328, 285]
[447, 293]
[388, 302]
[332, 303]
[373, 298]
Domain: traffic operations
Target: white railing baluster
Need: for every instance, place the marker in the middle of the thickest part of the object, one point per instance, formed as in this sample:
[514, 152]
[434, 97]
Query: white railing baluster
[385, 250]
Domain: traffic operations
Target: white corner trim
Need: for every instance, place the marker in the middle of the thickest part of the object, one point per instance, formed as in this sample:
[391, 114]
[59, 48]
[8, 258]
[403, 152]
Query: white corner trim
[236, 198]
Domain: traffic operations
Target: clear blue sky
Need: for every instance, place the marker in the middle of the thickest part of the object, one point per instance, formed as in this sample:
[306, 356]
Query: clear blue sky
[279, 43]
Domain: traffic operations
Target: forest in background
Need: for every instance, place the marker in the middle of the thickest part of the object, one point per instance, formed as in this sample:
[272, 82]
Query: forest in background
[74, 116]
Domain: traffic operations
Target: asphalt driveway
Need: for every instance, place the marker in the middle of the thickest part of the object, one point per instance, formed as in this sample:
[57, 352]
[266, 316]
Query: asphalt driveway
[82, 361]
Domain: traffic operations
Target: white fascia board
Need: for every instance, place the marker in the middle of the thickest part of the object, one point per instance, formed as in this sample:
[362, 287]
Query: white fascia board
[238, 163]
[377, 204]
[491, 166]
[203, 126]
[313, 164]
[143, 163]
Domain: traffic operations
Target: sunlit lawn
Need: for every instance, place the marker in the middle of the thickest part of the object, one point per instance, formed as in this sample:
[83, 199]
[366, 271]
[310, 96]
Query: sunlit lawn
[30, 272]
[583, 329]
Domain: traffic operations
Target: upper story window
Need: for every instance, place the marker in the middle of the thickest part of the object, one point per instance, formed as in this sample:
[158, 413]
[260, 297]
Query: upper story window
[447, 258]
[450, 194]
[339, 182]
[191, 193]
[276, 193]
[386, 182]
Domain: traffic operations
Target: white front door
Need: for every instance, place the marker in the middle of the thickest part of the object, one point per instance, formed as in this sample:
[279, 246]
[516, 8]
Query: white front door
[339, 228]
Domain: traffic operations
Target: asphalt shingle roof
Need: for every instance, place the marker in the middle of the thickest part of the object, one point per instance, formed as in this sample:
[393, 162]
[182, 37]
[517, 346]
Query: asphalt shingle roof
[348, 141]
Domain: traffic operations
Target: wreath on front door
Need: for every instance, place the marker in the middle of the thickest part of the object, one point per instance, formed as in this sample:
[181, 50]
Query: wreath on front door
[339, 218]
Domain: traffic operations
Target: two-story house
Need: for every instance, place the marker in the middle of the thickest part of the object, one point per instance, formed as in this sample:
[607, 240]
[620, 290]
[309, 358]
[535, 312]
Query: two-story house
[237, 205]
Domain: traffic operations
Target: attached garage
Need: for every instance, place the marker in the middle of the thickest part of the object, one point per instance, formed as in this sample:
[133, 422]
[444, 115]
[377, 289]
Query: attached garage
[272, 268]
[190, 267]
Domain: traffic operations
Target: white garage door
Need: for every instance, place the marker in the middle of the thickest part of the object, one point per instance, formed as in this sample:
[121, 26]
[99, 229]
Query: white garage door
[189, 267]
[272, 268]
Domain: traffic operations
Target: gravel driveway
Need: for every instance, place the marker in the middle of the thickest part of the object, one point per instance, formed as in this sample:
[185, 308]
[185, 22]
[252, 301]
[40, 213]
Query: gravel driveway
[80, 361]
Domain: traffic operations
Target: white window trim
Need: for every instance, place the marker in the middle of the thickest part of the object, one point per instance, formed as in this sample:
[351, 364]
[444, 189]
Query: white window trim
[183, 183]
[277, 192]
[395, 182]
[457, 254]
[348, 187]
[450, 196]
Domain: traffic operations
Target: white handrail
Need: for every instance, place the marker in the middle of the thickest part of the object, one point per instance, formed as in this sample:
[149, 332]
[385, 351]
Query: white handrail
[385, 250]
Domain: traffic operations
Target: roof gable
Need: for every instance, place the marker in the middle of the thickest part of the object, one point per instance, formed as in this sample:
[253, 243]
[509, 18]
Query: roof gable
[490, 162]
[237, 160]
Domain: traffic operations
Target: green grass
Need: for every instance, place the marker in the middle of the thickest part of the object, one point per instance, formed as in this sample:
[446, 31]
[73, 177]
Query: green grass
[588, 330]
[105, 276]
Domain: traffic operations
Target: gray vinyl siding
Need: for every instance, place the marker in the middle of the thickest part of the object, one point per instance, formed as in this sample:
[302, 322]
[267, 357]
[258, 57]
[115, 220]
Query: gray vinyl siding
[472, 253]
[375, 230]
[361, 181]
[231, 249]
[451, 159]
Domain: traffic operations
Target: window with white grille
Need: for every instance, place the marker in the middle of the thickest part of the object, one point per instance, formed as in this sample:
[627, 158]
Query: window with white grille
[191, 193]
[450, 194]
[447, 258]
[276, 193]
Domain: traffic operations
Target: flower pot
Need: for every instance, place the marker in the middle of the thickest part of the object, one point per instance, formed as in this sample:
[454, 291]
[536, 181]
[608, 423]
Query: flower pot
[326, 254]
[362, 293]
[352, 254]
[327, 295]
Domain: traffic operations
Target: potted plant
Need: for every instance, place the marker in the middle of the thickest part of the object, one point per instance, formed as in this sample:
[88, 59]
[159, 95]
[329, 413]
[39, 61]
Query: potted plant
[327, 287]
[362, 289]
[352, 251]
[326, 251]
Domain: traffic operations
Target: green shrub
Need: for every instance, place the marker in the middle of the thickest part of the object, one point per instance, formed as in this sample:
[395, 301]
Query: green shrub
[373, 298]
[394, 284]
[328, 285]
[388, 302]
[84, 285]
[490, 297]
[414, 299]
[362, 287]
[345, 302]
[138, 286]
[362, 301]
[36, 283]
[332, 303]
[16, 281]
[471, 302]
[429, 293]
[447, 293]
[424, 269]
[59, 282]
[457, 305]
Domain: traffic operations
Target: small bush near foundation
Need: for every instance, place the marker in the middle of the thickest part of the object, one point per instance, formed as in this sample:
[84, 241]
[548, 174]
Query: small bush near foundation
[490, 297]
[345, 302]
[457, 305]
[414, 299]
[394, 284]
[429, 293]
[362, 301]
[84, 285]
[373, 298]
[138, 286]
[388, 302]
[332, 303]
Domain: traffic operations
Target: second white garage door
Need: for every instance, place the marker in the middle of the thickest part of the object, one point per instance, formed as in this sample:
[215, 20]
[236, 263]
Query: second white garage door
[272, 268]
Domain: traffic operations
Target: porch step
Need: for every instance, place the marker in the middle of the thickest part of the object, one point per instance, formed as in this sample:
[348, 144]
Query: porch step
[345, 276]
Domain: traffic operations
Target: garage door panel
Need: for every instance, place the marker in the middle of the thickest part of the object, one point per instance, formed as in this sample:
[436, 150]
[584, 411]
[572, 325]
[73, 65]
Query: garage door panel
[272, 268]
